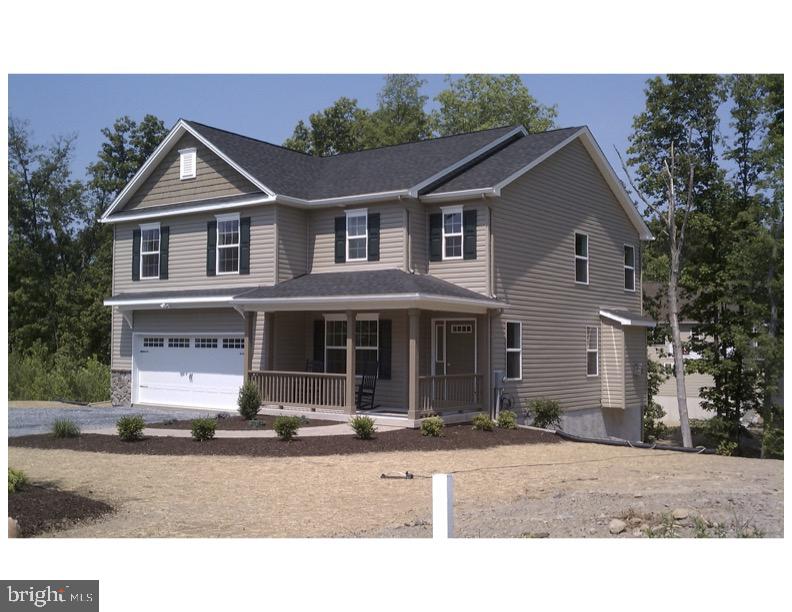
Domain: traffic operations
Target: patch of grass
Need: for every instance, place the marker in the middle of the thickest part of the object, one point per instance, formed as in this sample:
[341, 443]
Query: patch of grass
[16, 480]
[65, 428]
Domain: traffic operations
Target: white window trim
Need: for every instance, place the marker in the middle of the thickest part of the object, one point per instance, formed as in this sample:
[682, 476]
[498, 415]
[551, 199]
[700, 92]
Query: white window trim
[221, 218]
[373, 316]
[513, 350]
[452, 210]
[631, 268]
[358, 212]
[586, 257]
[183, 153]
[588, 350]
[146, 227]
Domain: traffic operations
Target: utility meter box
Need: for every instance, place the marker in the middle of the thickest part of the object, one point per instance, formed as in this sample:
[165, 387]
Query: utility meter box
[498, 376]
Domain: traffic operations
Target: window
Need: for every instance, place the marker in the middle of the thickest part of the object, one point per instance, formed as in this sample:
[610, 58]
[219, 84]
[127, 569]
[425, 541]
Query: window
[592, 351]
[629, 267]
[207, 343]
[357, 235]
[153, 342]
[228, 244]
[366, 343]
[178, 343]
[581, 259]
[186, 164]
[513, 350]
[233, 343]
[452, 232]
[461, 328]
[149, 250]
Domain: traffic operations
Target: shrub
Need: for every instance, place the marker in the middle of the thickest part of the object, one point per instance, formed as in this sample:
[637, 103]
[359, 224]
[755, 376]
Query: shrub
[249, 401]
[16, 480]
[203, 429]
[483, 422]
[432, 426]
[507, 419]
[653, 428]
[364, 427]
[773, 443]
[130, 428]
[286, 426]
[65, 428]
[726, 448]
[545, 412]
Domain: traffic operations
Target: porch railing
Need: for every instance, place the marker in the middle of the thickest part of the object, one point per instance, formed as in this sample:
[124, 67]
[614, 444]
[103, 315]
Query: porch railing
[315, 390]
[452, 392]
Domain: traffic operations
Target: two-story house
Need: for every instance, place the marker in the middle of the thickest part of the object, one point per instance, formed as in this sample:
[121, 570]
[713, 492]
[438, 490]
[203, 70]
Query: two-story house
[494, 261]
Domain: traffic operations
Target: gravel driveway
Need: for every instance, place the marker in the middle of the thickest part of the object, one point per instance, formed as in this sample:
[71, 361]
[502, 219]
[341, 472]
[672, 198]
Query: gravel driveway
[25, 421]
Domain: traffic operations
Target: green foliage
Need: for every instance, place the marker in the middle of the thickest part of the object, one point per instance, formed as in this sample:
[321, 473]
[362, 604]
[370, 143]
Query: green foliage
[364, 427]
[130, 428]
[340, 128]
[726, 448]
[773, 443]
[16, 480]
[546, 413]
[507, 419]
[481, 101]
[36, 375]
[65, 428]
[286, 426]
[432, 426]
[653, 427]
[483, 422]
[249, 401]
[203, 429]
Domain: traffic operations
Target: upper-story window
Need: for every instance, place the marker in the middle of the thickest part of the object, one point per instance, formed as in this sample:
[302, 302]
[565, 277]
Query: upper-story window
[581, 258]
[452, 232]
[357, 235]
[150, 250]
[629, 267]
[228, 244]
[187, 163]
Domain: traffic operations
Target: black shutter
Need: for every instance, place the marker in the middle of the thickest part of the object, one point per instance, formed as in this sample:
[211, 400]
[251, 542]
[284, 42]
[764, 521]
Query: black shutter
[318, 343]
[244, 245]
[436, 237]
[211, 248]
[385, 349]
[469, 233]
[373, 237]
[136, 255]
[163, 262]
[340, 239]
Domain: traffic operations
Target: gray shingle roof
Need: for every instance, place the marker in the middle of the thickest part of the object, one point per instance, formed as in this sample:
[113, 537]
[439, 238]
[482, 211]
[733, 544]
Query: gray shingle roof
[366, 282]
[392, 168]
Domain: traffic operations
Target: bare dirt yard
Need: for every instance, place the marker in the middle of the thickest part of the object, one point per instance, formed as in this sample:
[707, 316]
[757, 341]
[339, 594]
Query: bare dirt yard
[557, 490]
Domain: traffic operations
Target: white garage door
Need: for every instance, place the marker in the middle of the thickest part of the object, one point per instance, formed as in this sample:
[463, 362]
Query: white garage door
[203, 371]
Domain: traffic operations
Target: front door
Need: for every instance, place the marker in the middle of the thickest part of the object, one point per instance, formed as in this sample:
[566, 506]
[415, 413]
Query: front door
[454, 344]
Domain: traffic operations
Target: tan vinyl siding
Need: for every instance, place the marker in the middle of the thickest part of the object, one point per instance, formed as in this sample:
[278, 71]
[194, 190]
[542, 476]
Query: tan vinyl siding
[292, 249]
[468, 273]
[321, 251]
[121, 350]
[187, 254]
[419, 237]
[214, 178]
[635, 381]
[289, 348]
[612, 364]
[534, 224]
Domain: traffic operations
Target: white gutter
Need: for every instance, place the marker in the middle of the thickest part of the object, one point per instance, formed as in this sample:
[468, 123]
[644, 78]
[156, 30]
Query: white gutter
[187, 210]
[625, 320]
[463, 194]
[344, 300]
[164, 302]
[342, 200]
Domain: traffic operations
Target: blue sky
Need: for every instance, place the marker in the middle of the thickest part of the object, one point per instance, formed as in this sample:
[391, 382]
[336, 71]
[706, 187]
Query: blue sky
[268, 106]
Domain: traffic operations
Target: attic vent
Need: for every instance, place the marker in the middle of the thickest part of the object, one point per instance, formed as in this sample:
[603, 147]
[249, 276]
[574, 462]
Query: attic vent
[187, 164]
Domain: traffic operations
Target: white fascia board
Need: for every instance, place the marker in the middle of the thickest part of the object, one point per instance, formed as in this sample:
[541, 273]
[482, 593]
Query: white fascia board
[625, 321]
[342, 200]
[144, 214]
[464, 194]
[192, 302]
[163, 149]
[369, 302]
[465, 160]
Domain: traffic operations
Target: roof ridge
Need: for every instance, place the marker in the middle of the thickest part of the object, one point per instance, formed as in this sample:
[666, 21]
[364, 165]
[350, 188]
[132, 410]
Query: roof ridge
[271, 144]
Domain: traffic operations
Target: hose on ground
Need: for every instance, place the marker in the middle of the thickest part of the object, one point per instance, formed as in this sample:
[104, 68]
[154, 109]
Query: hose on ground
[653, 446]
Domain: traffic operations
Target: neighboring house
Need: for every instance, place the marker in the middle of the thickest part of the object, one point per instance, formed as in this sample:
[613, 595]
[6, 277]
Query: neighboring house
[452, 258]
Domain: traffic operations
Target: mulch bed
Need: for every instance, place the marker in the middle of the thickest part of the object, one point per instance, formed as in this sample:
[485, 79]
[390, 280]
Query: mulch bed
[237, 423]
[454, 437]
[38, 509]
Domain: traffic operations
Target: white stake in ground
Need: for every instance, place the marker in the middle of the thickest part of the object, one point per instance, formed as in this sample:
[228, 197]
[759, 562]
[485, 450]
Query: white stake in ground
[442, 506]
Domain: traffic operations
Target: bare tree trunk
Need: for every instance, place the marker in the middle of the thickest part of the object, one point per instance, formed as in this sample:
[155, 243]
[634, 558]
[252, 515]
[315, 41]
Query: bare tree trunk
[676, 342]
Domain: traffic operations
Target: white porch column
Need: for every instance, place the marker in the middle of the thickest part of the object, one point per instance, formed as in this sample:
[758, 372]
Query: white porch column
[269, 341]
[414, 316]
[249, 331]
[350, 361]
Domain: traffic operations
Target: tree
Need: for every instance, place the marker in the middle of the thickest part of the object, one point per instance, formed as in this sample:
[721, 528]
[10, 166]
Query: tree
[400, 115]
[481, 101]
[340, 128]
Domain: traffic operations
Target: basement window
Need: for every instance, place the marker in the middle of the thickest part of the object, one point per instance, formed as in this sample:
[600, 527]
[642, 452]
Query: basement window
[187, 164]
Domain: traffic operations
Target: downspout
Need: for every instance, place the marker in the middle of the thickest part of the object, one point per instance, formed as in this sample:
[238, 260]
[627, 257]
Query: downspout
[276, 280]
